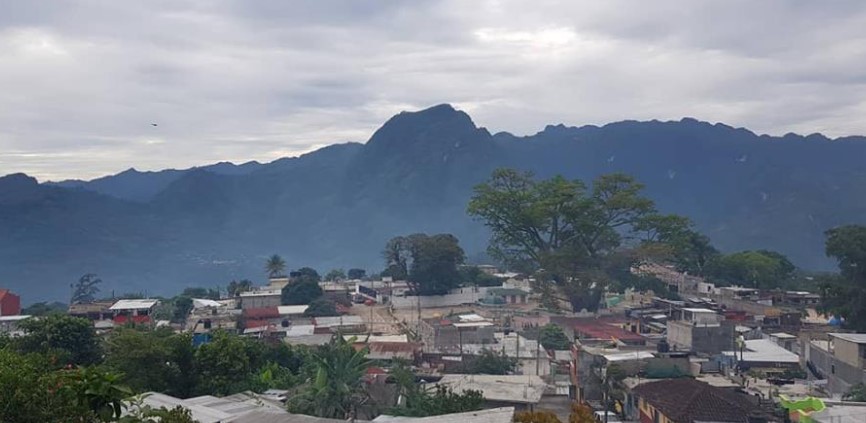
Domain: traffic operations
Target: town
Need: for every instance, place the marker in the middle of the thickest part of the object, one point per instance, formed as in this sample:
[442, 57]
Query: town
[491, 348]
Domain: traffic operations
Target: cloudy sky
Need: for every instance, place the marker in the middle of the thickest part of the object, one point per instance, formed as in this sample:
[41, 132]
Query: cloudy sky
[82, 81]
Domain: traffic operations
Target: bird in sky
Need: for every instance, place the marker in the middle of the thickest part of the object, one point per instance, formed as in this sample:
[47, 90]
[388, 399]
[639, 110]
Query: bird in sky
[153, 124]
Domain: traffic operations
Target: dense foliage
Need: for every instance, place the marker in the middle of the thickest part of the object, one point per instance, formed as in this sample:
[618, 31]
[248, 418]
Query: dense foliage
[845, 295]
[301, 291]
[417, 401]
[562, 226]
[321, 307]
[429, 263]
[490, 362]
[553, 338]
[334, 388]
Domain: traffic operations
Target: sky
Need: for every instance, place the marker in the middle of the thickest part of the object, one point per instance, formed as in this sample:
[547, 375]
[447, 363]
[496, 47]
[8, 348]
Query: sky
[81, 82]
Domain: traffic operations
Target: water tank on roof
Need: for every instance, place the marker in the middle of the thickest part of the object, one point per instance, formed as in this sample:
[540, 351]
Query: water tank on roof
[663, 346]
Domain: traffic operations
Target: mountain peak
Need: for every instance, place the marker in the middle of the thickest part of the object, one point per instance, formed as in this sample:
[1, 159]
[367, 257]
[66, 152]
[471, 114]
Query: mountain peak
[15, 180]
[435, 125]
[17, 187]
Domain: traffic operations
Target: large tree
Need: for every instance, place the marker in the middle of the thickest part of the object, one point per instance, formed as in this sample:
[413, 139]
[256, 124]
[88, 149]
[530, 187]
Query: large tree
[429, 263]
[757, 269]
[300, 292]
[85, 290]
[335, 275]
[561, 226]
[845, 295]
[72, 338]
[356, 273]
[275, 266]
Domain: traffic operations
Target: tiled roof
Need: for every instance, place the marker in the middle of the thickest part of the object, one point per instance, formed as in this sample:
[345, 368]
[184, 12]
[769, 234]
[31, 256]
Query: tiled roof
[686, 400]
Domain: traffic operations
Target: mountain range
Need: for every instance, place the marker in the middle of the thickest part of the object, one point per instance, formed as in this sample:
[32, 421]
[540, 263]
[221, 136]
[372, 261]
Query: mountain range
[158, 232]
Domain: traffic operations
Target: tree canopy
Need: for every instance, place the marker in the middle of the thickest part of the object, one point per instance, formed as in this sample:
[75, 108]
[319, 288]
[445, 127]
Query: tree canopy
[429, 263]
[563, 227]
[85, 290]
[301, 291]
[72, 338]
[335, 275]
[356, 273]
[553, 338]
[490, 362]
[321, 307]
[845, 295]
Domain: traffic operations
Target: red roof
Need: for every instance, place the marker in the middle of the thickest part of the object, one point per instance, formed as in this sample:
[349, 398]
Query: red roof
[600, 329]
[262, 313]
[256, 324]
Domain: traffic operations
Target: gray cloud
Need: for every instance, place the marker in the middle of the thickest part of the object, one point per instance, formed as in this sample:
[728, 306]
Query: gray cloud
[239, 80]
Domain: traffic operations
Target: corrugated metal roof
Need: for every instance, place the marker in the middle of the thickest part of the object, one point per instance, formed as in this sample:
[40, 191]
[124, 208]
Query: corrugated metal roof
[137, 304]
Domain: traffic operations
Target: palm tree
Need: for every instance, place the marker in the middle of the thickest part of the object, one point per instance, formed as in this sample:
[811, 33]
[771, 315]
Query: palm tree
[275, 266]
[336, 390]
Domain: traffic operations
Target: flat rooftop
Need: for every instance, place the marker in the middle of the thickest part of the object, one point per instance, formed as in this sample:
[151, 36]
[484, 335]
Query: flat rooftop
[133, 304]
[857, 338]
[765, 351]
[699, 310]
[524, 389]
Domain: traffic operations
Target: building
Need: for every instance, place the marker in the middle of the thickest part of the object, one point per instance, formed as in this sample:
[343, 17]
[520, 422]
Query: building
[592, 330]
[702, 331]
[764, 354]
[9, 324]
[449, 335]
[687, 400]
[523, 392]
[506, 296]
[137, 311]
[261, 298]
[95, 311]
[10, 304]
[342, 324]
[841, 360]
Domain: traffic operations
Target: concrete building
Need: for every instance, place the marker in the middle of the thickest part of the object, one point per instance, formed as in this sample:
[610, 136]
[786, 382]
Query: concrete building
[764, 354]
[519, 391]
[98, 311]
[841, 360]
[261, 298]
[9, 324]
[10, 304]
[447, 335]
[701, 331]
[507, 295]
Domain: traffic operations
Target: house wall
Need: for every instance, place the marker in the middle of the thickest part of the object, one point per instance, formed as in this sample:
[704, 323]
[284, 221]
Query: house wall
[454, 298]
[840, 375]
[10, 305]
[262, 301]
[680, 335]
[649, 414]
[701, 339]
[847, 351]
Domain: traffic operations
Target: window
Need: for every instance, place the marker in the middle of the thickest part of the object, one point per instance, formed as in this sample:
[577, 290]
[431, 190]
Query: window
[833, 369]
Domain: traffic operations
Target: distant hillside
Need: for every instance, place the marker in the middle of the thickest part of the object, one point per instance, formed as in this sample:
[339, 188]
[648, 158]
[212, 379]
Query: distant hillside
[336, 207]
